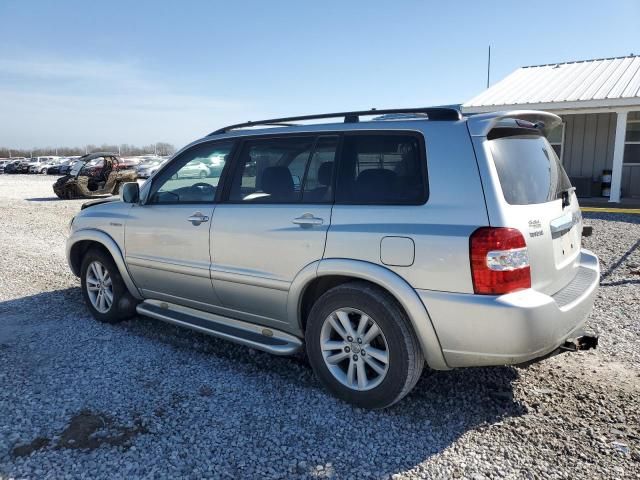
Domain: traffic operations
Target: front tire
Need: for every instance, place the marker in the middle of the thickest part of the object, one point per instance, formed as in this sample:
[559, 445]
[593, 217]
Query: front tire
[361, 346]
[103, 289]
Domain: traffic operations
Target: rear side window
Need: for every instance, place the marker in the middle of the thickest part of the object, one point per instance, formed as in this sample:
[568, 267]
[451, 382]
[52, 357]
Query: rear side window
[382, 169]
[529, 170]
[285, 170]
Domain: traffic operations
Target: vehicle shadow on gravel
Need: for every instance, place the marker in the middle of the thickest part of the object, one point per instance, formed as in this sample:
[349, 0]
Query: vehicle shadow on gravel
[44, 199]
[344, 441]
[441, 408]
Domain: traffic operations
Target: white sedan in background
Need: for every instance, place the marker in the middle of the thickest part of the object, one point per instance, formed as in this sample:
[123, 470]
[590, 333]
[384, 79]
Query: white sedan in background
[149, 167]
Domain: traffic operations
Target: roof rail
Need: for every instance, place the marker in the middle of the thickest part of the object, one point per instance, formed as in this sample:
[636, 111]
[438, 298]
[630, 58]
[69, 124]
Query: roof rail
[432, 113]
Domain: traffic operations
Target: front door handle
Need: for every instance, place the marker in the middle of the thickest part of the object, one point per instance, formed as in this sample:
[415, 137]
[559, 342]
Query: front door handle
[308, 220]
[197, 218]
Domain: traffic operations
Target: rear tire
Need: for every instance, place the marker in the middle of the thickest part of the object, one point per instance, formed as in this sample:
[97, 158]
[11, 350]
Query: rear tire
[103, 289]
[351, 363]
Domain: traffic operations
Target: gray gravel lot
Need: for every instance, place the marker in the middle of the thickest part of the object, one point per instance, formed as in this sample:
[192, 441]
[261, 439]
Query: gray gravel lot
[79, 399]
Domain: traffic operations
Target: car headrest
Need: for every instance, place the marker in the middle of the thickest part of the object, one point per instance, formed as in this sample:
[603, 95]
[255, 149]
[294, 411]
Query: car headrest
[278, 182]
[324, 173]
[375, 184]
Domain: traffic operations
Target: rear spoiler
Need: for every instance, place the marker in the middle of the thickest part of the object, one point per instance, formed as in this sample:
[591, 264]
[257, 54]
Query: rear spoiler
[481, 124]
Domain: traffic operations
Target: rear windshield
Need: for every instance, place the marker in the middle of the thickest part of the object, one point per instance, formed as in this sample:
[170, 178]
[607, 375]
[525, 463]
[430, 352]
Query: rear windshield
[529, 170]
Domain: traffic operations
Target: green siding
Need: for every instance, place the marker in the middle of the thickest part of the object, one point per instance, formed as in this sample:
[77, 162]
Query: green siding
[588, 150]
[588, 144]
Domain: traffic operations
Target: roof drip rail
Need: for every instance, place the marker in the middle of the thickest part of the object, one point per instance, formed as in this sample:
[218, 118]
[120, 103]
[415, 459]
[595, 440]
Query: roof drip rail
[432, 113]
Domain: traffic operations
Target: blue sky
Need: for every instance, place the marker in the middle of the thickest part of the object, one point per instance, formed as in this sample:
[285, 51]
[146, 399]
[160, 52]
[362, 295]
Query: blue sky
[81, 72]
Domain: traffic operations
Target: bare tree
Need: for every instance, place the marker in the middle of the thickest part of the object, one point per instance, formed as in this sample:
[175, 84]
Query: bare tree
[125, 150]
[163, 148]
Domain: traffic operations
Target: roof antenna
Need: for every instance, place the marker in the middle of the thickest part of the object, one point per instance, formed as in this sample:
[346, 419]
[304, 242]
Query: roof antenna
[489, 67]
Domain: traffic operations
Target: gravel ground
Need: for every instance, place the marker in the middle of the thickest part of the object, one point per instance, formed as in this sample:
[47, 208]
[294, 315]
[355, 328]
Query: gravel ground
[80, 399]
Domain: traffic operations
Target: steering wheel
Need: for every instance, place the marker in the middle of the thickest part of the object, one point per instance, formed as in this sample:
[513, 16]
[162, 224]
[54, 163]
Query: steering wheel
[203, 185]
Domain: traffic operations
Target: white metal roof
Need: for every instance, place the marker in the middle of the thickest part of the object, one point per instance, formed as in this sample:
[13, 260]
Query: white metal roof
[604, 82]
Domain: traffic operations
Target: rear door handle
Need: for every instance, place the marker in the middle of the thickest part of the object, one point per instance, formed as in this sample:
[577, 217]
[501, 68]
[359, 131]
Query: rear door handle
[308, 220]
[197, 218]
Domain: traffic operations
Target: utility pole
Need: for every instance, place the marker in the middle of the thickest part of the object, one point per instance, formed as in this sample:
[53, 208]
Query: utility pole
[489, 67]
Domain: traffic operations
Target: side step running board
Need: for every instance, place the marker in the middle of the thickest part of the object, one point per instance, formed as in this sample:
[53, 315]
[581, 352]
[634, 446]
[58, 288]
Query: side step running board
[256, 336]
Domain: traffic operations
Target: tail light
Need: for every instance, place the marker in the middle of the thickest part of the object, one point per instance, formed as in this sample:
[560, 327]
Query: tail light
[499, 261]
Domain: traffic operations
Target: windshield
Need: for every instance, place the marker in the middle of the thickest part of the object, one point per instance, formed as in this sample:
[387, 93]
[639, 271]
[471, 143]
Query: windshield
[75, 167]
[529, 170]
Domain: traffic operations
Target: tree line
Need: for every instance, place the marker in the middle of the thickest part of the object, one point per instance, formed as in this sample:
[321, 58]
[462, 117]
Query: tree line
[125, 150]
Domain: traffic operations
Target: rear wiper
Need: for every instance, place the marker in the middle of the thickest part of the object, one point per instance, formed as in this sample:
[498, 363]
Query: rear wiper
[566, 196]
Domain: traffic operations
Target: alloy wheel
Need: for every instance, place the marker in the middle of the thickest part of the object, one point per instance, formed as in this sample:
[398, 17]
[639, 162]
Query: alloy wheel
[354, 349]
[99, 287]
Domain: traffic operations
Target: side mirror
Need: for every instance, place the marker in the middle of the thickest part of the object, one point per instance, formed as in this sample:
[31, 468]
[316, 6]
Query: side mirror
[130, 192]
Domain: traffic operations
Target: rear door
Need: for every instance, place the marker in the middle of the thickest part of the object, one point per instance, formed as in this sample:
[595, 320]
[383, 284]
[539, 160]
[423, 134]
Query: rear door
[535, 196]
[273, 224]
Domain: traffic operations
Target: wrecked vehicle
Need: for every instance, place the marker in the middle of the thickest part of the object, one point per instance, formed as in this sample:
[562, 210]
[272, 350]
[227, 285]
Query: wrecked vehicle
[95, 174]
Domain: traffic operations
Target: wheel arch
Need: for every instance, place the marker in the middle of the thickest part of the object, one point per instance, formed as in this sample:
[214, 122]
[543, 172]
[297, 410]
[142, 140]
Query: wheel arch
[83, 240]
[327, 273]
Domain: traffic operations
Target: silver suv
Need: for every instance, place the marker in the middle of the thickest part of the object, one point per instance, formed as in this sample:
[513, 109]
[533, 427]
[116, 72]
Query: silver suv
[417, 236]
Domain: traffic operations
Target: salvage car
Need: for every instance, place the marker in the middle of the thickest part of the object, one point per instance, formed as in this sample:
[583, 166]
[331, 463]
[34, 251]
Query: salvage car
[95, 174]
[54, 169]
[147, 168]
[12, 165]
[68, 166]
[194, 169]
[24, 165]
[36, 164]
[43, 166]
[376, 246]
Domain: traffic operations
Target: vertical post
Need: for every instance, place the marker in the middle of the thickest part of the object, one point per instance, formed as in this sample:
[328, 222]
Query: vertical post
[489, 67]
[618, 156]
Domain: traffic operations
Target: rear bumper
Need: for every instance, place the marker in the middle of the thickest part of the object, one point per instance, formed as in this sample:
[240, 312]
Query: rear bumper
[477, 330]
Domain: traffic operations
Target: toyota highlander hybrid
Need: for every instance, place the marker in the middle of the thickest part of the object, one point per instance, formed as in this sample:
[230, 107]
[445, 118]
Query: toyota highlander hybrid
[418, 237]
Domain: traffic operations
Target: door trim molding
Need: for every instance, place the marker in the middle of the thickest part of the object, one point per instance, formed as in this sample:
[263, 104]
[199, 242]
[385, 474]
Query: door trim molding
[253, 280]
[156, 264]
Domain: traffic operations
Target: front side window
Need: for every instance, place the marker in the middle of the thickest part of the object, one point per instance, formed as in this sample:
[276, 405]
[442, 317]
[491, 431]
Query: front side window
[193, 176]
[382, 169]
[284, 170]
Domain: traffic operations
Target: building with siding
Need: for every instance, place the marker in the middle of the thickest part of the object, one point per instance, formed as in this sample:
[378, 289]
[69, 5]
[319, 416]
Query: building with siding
[599, 103]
